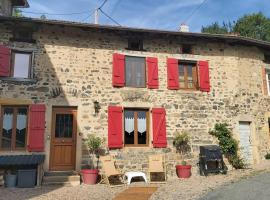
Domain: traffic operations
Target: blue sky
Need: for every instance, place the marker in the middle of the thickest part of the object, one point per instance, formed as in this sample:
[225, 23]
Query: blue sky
[154, 14]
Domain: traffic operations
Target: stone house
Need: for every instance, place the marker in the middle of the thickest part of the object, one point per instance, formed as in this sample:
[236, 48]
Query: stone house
[136, 88]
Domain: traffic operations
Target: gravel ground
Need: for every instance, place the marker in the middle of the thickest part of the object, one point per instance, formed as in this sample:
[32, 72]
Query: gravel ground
[186, 189]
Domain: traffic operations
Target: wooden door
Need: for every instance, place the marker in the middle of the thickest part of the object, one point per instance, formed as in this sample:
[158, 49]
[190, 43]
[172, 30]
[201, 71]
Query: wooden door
[63, 139]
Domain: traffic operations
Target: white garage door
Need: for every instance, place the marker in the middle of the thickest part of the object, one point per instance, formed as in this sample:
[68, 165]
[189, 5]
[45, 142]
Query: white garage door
[245, 145]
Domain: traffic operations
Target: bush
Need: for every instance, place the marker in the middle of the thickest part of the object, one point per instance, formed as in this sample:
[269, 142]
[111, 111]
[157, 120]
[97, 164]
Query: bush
[181, 142]
[237, 162]
[228, 145]
[94, 145]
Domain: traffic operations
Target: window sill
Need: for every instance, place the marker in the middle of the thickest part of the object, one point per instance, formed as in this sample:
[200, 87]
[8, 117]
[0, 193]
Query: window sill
[18, 80]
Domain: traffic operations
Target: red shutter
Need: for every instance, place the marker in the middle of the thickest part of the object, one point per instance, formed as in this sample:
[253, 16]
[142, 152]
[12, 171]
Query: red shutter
[115, 127]
[36, 128]
[265, 92]
[159, 127]
[118, 79]
[4, 61]
[152, 67]
[204, 76]
[172, 74]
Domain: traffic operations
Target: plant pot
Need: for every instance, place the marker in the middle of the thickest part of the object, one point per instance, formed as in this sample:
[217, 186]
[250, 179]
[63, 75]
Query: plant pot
[89, 176]
[10, 180]
[183, 171]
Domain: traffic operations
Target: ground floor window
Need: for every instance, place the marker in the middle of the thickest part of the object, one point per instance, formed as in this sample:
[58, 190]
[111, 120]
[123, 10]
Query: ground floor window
[13, 127]
[136, 127]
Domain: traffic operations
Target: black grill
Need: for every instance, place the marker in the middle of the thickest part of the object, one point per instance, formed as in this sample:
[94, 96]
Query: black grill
[211, 160]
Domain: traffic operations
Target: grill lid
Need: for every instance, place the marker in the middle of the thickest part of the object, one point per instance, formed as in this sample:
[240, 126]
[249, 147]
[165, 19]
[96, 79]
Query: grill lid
[211, 152]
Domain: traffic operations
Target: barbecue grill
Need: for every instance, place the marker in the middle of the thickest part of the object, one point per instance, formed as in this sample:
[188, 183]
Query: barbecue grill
[211, 160]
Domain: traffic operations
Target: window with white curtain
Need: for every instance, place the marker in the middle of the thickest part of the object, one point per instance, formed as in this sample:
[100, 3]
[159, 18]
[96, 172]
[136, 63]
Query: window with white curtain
[13, 127]
[136, 127]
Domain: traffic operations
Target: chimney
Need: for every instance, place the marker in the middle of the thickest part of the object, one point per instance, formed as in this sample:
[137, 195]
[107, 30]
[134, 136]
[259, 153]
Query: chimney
[184, 28]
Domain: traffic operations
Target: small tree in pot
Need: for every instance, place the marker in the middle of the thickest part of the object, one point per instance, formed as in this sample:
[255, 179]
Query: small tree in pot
[181, 143]
[94, 145]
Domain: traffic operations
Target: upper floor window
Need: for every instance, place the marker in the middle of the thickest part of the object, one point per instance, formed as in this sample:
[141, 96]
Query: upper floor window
[21, 63]
[13, 127]
[135, 71]
[15, 64]
[23, 34]
[267, 72]
[186, 49]
[188, 75]
[135, 44]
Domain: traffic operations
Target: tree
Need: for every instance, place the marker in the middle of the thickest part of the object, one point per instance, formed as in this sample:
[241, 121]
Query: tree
[17, 13]
[215, 28]
[43, 17]
[255, 26]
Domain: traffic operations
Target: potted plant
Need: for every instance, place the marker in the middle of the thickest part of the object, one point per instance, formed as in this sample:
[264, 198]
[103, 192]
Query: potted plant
[90, 174]
[181, 143]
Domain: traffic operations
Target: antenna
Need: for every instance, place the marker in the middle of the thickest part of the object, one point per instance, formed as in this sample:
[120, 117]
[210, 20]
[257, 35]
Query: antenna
[96, 15]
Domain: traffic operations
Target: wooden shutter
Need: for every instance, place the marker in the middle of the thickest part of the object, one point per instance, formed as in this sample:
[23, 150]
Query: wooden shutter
[36, 128]
[152, 68]
[159, 127]
[172, 74]
[115, 129]
[4, 61]
[118, 79]
[265, 91]
[204, 76]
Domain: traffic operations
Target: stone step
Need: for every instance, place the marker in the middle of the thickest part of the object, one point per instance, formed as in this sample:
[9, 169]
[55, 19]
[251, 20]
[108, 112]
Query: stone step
[64, 178]
[60, 173]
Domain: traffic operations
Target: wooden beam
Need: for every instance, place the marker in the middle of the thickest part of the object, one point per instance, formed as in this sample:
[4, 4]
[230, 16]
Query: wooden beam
[11, 101]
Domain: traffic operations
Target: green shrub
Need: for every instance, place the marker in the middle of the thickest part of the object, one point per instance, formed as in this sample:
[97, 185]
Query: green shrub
[228, 145]
[267, 156]
[181, 142]
[94, 145]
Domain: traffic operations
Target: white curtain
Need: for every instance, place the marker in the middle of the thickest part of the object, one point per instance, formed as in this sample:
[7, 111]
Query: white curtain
[7, 121]
[141, 122]
[21, 121]
[129, 121]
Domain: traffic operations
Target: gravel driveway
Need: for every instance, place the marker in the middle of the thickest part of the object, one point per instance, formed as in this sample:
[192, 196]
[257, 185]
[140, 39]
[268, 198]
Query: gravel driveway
[253, 188]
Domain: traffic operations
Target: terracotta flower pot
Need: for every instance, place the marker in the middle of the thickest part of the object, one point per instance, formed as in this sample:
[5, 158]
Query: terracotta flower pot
[89, 176]
[183, 171]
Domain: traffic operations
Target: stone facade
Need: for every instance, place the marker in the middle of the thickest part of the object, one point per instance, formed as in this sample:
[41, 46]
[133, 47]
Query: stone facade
[78, 64]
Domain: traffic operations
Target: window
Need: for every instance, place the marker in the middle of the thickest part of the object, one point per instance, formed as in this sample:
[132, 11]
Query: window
[13, 127]
[135, 44]
[21, 64]
[136, 127]
[23, 35]
[186, 49]
[188, 75]
[267, 58]
[135, 71]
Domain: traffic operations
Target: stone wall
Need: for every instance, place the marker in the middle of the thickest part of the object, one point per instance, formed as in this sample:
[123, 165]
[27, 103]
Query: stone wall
[79, 64]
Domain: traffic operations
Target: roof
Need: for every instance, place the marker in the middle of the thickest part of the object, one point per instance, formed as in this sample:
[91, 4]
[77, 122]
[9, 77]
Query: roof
[20, 3]
[34, 159]
[187, 35]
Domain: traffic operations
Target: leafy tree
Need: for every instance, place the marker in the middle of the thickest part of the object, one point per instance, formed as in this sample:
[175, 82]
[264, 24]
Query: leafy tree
[17, 13]
[255, 26]
[216, 28]
[43, 17]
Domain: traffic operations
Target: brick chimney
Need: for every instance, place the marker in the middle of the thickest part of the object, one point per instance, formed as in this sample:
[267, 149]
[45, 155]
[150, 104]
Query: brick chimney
[6, 6]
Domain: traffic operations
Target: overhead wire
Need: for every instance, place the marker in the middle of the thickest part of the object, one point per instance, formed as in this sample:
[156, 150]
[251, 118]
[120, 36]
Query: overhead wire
[109, 17]
[194, 11]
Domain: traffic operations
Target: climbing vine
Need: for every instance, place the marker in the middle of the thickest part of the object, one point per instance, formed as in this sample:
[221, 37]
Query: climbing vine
[228, 145]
